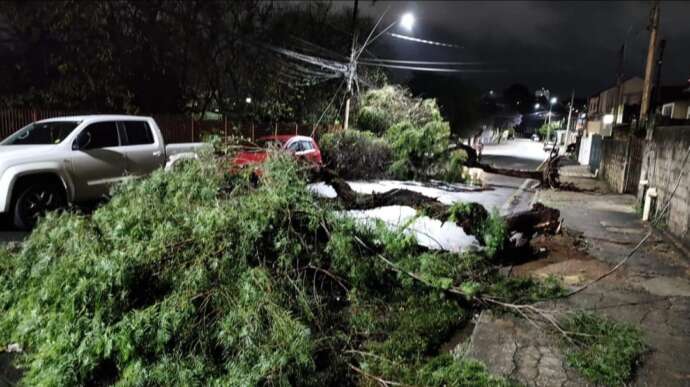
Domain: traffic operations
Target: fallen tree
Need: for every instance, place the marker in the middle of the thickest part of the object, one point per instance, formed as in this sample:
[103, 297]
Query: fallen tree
[538, 220]
[194, 278]
[547, 177]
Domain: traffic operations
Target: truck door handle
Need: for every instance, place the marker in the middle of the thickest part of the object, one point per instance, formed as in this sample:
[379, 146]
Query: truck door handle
[157, 153]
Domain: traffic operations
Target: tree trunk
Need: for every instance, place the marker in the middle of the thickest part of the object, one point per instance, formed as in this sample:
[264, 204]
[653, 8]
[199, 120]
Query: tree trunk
[538, 220]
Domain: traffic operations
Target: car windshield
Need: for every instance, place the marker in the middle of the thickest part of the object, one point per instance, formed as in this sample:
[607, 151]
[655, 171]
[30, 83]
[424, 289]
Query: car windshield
[41, 133]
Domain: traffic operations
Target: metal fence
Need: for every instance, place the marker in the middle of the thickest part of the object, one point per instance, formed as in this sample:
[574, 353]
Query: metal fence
[176, 128]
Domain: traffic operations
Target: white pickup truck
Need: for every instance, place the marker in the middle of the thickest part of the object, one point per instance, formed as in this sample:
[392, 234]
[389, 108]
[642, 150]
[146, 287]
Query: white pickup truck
[56, 161]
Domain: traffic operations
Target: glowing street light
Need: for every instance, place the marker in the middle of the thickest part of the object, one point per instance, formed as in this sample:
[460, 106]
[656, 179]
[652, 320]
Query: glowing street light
[536, 106]
[407, 21]
[248, 100]
[553, 100]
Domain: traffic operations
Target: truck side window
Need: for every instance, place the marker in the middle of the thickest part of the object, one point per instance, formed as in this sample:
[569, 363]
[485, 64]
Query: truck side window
[102, 135]
[138, 132]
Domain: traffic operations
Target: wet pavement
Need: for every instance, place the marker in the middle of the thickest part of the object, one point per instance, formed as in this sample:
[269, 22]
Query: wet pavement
[650, 291]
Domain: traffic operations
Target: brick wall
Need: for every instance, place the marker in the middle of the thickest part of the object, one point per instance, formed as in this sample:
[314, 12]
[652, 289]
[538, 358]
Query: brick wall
[661, 165]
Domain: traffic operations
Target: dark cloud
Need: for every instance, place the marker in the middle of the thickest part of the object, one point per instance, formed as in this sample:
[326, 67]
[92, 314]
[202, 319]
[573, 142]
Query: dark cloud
[558, 45]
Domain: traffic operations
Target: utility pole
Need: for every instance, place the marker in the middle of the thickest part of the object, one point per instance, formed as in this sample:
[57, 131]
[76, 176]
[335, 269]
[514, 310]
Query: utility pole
[570, 115]
[651, 53]
[352, 66]
[656, 98]
[619, 83]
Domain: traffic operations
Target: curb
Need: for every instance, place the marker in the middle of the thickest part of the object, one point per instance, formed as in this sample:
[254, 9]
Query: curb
[513, 199]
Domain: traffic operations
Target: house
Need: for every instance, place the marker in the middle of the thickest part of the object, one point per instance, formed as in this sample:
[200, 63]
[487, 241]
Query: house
[674, 103]
[606, 109]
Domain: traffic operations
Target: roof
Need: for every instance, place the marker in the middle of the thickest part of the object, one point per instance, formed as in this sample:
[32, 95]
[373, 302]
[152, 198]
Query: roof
[626, 79]
[285, 137]
[95, 116]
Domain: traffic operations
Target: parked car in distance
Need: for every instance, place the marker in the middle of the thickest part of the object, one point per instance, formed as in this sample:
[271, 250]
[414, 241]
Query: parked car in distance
[548, 145]
[50, 163]
[535, 137]
[302, 147]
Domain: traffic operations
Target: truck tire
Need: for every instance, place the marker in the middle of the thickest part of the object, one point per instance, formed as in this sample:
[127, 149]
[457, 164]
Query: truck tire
[34, 200]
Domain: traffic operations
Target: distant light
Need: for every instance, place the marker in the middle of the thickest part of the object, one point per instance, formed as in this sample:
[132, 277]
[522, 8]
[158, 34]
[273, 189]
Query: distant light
[608, 119]
[537, 106]
[583, 115]
[491, 92]
[553, 100]
[248, 100]
[407, 21]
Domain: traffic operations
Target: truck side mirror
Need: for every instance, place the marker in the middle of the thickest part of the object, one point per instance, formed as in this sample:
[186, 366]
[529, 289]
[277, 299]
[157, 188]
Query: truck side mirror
[82, 141]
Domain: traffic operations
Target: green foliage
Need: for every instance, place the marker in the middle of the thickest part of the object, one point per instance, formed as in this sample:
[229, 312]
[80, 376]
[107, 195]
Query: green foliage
[379, 109]
[196, 278]
[416, 132]
[522, 290]
[355, 154]
[494, 233]
[489, 229]
[453, 171]
[418, 149]
[605, 351]
[548, 130]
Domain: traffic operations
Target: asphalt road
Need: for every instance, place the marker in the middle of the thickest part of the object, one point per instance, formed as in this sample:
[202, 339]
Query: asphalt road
[514, 154]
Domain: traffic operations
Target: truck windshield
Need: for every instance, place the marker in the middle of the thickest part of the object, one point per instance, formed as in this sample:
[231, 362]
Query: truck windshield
[41, 133]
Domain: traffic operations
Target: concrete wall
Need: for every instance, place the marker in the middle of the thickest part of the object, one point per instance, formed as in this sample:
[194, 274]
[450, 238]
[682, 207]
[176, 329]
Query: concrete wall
[613, 162]
[661, 166]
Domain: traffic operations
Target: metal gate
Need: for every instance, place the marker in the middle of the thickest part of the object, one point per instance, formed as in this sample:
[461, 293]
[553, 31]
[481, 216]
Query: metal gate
[633, 168]
[595, 153]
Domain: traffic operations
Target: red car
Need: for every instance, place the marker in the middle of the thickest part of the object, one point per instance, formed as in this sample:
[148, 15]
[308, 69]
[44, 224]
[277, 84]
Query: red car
[302, 147]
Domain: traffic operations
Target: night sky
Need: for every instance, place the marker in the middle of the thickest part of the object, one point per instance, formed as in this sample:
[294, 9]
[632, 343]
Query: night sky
[557, 45]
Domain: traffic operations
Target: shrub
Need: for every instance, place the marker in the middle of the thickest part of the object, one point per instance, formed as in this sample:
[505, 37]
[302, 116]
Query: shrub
[355, 154]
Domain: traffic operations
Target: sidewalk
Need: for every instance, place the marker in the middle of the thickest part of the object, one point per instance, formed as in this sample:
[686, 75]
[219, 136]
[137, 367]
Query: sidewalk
[651, 291]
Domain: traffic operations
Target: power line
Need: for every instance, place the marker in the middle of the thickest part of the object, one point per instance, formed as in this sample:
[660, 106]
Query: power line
[420, 62]
[434, 69]
[417, 40]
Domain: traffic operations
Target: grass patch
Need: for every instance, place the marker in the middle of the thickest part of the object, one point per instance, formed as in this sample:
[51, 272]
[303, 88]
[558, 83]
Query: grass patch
[606, 352]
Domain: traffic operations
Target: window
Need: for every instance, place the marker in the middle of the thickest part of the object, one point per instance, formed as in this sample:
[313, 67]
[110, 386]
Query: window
[667, 110]
[295, 146]
[100, 135]
[138, 132]
[306, 145]
[42, 133]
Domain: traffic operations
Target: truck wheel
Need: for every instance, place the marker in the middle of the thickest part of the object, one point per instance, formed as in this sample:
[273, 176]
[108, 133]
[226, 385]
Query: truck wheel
[34, 201]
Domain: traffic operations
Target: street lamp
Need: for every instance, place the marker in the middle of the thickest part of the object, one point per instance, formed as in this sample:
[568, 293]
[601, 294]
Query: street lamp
[407, 21]
[536, 106]
[248, 100]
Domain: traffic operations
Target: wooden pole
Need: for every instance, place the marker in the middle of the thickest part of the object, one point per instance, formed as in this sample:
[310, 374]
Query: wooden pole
[649, 67]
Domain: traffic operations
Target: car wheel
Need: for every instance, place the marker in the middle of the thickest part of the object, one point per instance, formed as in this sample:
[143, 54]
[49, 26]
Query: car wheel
[34, 201]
